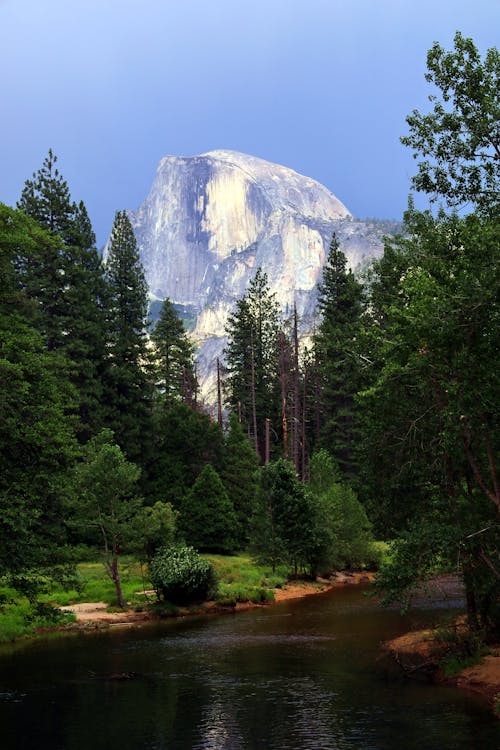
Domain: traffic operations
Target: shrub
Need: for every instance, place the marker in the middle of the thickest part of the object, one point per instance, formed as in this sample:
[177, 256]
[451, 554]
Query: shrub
[181, 576]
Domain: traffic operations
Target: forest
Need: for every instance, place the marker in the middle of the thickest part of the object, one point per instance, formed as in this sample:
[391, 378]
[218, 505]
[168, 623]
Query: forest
[381, 428]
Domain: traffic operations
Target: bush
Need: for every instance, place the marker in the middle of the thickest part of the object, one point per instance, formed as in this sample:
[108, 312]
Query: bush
[181, 576]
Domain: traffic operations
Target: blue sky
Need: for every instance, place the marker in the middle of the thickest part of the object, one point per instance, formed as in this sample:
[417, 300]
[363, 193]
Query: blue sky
[322, 86]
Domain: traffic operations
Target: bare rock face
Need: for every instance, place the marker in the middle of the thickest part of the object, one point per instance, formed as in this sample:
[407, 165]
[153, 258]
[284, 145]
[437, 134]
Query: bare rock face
[211, 220]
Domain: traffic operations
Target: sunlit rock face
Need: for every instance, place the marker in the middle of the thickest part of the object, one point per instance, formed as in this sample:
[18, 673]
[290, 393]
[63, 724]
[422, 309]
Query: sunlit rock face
[211, 220]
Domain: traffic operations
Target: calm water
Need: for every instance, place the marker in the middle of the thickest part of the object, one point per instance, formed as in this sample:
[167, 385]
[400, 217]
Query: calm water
[292, 677]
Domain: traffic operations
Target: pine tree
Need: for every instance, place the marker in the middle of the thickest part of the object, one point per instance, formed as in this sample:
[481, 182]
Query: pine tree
[252, 355]
[207, 517]
[184, 440]
[128, 383]
[340, 305]
[46, 199]
[173, 353]
[66, 278]
[239, 469]
[37, 442]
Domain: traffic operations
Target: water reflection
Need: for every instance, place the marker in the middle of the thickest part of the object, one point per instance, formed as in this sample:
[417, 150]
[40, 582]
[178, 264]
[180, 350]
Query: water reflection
[219, 728]
[292, 677]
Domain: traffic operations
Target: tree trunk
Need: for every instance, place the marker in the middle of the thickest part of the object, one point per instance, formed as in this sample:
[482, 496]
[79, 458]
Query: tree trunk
[116, 580]
[296, 395]
[317, 392]
[254, 407]
[283, 394]
[470, 597]
[219, 397]
[304, 456]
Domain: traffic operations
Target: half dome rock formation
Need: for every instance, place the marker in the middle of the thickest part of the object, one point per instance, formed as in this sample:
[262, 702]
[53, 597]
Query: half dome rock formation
[211, 220]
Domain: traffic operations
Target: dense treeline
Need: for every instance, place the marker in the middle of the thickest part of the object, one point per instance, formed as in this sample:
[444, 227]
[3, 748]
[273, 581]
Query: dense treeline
[400, 384]
[386, 420]
[104, 440]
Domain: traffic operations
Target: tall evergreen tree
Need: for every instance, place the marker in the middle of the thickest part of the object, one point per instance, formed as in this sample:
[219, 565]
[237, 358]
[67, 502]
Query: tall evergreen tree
[239, 469]
[46, 199]
[67, 281]
[129, 390]
[184, 440]
[252, 356]
[37, 443]
[340, 305]
[207, 518]
[173, 353]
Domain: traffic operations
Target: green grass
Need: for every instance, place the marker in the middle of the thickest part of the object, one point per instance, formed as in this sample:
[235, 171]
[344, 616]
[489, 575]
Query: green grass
[96, 586]
[20, 619]
[241, 580]
[453, 664]
[464, 648]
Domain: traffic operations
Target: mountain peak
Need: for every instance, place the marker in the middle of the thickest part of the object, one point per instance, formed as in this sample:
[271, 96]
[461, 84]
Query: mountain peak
[211, 220]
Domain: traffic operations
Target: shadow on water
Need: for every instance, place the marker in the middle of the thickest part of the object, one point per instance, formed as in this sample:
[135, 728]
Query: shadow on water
[295, 676]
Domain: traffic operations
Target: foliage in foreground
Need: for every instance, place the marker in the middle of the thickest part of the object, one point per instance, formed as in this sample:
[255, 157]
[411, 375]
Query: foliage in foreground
[21, 618]
[430, 413]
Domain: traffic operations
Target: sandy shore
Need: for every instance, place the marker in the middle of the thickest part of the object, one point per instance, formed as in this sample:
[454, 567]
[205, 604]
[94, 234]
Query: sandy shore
[91, 615]
[419, 652]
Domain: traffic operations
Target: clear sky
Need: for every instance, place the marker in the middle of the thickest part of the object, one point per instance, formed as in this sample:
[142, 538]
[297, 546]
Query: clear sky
[322, 86]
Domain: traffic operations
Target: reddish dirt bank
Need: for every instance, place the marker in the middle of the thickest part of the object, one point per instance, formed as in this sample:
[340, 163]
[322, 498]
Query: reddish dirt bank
[91, 615]
[420, 652]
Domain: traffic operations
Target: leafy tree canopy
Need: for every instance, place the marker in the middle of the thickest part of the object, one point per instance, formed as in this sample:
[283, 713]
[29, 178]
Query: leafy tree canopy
[458, 142]
[107, 500]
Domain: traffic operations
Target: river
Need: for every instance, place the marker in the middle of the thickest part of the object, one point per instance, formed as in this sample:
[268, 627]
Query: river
[295, 676]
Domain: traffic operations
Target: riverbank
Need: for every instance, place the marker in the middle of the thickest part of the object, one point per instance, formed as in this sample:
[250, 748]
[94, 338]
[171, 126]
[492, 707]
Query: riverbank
[96, 615]
[432, 653]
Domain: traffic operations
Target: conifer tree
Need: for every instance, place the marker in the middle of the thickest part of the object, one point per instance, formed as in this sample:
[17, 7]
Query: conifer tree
[340, 305]
[282, 523]
[128, 379]
[239, 469]
[46, 199]
[174, 365]
[252, 355]
[207, 517]
[37, 442]
[66, 279]
[183, 442]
